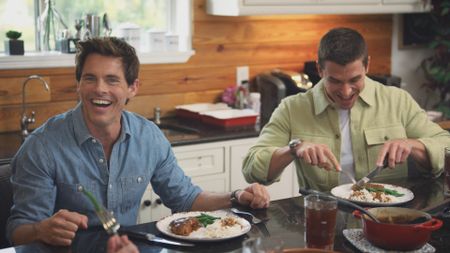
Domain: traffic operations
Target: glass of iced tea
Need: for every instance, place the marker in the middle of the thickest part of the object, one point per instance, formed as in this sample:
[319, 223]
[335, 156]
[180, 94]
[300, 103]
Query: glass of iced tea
[447, 172]
[320, 221]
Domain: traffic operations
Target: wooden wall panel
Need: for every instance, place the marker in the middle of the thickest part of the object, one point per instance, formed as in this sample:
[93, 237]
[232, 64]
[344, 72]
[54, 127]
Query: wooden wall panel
[221, 44]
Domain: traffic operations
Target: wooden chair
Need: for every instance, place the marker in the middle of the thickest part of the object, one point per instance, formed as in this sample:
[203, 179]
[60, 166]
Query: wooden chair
[445, 124]
[6, 200]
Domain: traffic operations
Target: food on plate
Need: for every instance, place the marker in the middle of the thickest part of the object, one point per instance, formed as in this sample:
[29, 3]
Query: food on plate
[184, 225]
[376, 193]
[206, 226]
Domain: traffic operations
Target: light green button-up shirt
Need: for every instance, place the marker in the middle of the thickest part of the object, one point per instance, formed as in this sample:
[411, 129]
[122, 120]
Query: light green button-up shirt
[381, 113]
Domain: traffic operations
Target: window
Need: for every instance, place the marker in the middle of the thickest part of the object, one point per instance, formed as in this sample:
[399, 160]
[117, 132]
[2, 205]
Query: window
[170, 18]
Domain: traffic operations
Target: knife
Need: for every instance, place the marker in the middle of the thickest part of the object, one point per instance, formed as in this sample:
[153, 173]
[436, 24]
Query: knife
[153, 238]
[374, 172]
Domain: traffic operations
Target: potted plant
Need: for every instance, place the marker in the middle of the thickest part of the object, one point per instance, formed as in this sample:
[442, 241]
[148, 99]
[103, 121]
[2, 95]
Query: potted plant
[437, 67]
[14, 46]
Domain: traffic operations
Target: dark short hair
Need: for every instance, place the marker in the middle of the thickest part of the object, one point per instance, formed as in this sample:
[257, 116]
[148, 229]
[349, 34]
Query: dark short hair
[108, 46]
[342, 46]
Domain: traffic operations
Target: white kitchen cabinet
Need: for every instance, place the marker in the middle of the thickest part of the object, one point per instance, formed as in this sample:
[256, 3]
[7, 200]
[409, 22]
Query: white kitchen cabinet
[275, 7]
[286, 188]
[204, 163]
[215, 167]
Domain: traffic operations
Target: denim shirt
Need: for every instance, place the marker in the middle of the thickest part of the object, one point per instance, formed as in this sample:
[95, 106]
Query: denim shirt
[61, 157]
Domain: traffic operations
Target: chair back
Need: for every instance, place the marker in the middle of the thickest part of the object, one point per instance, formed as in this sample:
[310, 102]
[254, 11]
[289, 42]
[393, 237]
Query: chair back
[6, 202]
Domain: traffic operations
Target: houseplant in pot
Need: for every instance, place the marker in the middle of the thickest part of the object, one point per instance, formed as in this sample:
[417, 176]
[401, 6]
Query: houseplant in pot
[437, 66]
[14, 46]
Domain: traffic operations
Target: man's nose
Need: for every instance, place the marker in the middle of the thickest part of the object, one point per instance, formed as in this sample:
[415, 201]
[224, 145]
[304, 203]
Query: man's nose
[101, 86]
[346, 90]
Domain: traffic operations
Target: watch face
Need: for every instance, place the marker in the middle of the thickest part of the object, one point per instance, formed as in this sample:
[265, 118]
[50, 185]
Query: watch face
[294, 143]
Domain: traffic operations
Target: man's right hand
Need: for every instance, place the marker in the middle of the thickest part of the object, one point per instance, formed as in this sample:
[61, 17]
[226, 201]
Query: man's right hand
[60, 229]
[317, 155]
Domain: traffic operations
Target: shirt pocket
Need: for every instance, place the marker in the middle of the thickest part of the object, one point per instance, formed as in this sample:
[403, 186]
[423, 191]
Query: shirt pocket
[315, 177]
[70, 196]
[375, 138]
[133, 188]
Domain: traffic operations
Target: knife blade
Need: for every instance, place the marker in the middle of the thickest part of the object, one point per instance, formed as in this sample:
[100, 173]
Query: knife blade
[154, 238]
[373, 173]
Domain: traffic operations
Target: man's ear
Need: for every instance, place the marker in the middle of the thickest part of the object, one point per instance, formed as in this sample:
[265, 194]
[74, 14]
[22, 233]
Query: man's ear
[133, 89]
[368, 64]
[319, 69]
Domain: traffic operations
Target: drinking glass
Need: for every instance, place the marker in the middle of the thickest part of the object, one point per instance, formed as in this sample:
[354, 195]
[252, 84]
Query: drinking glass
[447, 172]
[320, 221]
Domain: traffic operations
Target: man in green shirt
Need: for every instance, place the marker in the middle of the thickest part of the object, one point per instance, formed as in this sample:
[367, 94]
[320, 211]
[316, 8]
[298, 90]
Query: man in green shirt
[346, 122]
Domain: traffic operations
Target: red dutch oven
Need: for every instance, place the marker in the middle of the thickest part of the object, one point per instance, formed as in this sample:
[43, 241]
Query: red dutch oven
[394, 232]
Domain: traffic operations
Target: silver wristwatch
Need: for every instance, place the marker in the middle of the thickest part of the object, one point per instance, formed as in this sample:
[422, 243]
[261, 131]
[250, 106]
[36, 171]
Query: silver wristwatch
[293, 146]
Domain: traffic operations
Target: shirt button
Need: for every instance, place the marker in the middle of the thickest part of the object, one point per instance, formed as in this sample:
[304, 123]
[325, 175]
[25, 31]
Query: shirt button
[139, 179]
[337, 136]
[386, 138]
[94, 140]
[110, 186]
[80, 188]
[100, 160]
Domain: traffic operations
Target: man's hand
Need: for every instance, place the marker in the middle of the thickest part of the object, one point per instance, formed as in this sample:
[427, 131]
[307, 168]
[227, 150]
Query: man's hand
[254, 195]
[61, 227]
[397, 150]
[317, 155]
[121, 244]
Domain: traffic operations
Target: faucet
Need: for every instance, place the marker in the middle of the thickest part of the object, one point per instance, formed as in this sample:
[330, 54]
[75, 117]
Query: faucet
[25, 120]
[157, 115]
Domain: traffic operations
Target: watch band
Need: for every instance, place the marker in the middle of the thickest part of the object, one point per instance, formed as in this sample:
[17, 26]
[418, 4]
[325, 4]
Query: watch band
[234, 197]
[293, 145]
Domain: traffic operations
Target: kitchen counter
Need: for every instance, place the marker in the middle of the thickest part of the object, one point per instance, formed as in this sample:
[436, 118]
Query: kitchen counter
[189, 132]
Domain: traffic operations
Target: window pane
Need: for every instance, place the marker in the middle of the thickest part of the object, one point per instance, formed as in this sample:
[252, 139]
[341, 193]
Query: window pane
[17, 15]
[145, 13]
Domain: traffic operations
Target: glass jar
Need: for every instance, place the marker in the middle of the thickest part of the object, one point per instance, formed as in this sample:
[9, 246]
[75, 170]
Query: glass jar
[51, 26]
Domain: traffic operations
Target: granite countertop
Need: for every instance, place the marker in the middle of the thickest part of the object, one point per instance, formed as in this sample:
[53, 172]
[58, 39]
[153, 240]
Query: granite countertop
[192, 132]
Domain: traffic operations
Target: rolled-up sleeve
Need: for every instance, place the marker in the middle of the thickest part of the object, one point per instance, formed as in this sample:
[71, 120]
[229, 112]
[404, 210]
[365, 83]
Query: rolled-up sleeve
[176, 190]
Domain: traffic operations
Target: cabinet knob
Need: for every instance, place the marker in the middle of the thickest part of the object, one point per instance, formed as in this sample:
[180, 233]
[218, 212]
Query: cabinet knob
[147, 202]
[158, 201]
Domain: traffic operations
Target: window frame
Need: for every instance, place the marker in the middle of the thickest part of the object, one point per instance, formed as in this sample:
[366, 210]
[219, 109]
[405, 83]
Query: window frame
[181, 24]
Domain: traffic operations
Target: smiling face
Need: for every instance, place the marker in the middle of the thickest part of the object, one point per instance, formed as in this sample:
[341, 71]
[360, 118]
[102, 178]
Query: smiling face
[343, 84]
[103, 92]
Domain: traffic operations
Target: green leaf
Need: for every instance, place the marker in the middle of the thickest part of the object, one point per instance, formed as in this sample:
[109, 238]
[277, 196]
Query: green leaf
[13, 35]
[92, 199]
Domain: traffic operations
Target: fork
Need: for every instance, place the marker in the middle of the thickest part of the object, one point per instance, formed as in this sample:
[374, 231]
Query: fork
[109, 222]
[254, 219]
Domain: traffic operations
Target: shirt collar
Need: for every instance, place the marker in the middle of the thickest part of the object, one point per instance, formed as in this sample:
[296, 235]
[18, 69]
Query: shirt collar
[321, 100]
[82, 132]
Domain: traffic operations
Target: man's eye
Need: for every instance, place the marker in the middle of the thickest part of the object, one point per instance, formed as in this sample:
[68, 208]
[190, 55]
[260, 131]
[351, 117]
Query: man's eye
[113, 81]
[89, 79]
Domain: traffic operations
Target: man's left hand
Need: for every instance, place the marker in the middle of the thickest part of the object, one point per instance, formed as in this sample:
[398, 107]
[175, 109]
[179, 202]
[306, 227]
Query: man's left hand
[254, 195]
[397, 151]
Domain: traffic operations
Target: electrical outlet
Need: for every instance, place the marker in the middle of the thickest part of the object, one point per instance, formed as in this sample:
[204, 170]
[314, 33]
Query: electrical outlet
[242, 74]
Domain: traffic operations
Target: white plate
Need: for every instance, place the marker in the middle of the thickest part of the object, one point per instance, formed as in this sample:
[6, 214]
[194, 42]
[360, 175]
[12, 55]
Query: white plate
[356, 237]
[198, 236]
[343, 191]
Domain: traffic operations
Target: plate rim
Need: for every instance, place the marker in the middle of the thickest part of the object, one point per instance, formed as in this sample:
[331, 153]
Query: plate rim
[412, 196]
[247, 227]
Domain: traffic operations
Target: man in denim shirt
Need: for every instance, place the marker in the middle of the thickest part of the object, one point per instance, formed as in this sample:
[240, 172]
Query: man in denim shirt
[101, 147]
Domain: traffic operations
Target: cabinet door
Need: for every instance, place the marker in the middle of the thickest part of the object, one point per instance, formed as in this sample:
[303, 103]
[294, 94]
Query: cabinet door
[278, 190]
[151, 208]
